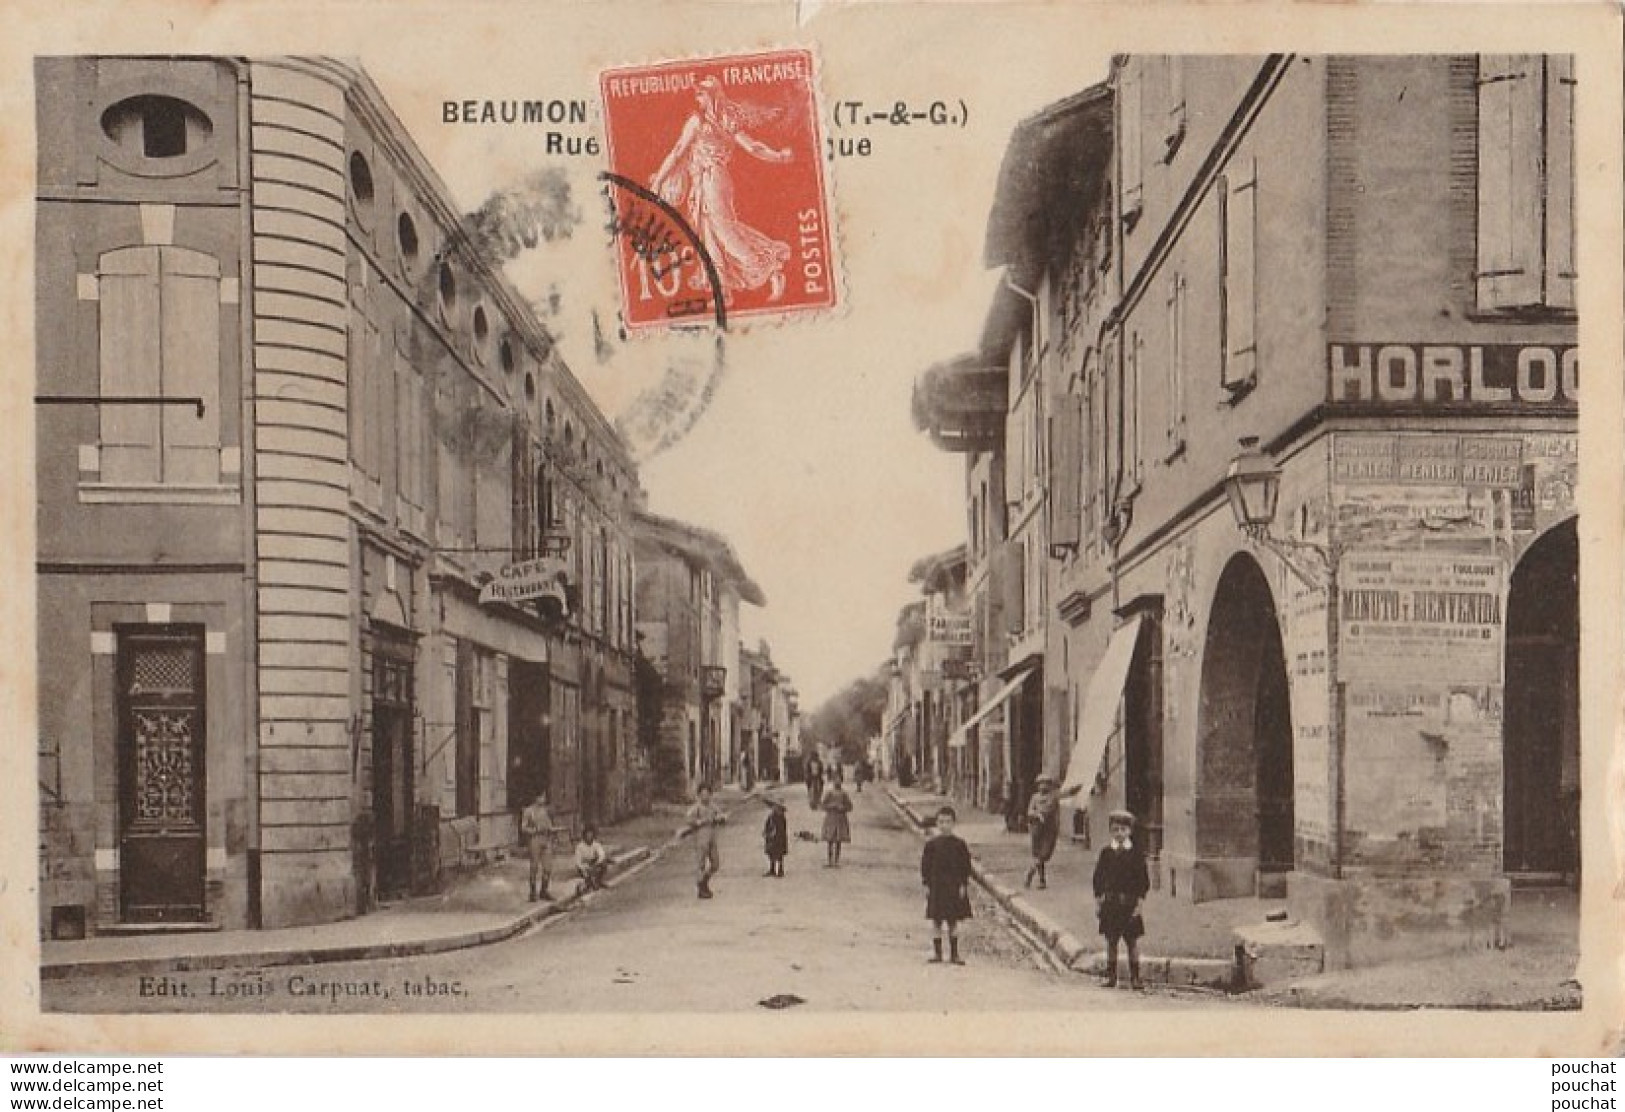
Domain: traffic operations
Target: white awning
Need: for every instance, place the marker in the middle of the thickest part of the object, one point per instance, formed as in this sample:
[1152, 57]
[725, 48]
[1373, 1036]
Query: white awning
[959, 736]
[1098, 721]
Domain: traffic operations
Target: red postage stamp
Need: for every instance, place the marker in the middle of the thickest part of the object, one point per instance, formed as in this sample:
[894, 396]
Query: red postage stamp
[716, 185]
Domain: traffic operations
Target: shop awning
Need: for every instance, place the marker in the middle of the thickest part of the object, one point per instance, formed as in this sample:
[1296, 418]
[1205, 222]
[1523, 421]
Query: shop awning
[958, 738]
[1098, 721]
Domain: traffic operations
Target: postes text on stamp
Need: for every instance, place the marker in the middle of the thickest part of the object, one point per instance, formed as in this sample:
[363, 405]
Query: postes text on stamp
[717, 189]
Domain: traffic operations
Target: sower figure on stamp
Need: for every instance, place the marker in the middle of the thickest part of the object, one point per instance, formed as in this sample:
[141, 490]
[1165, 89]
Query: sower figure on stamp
[1044, 825]
[695, 179]
[1121, 882]
[945, 872]
[703, 818]
[536, 824]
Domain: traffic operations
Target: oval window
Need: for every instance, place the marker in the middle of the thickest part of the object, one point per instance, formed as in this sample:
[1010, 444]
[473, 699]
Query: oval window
[406, 233]
[361, 178]
[155, 126]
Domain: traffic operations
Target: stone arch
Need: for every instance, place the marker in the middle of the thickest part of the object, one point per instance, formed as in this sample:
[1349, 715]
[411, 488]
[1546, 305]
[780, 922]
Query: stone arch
[1244, 775]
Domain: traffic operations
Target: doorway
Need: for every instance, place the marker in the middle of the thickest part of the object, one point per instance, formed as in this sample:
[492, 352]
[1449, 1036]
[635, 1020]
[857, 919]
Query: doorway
[161, 750]
[392, 762]
[1541, 727]
[1244, 800]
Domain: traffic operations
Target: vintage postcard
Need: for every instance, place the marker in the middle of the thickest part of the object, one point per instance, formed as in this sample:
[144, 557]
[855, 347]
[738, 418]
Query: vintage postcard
[801, 528]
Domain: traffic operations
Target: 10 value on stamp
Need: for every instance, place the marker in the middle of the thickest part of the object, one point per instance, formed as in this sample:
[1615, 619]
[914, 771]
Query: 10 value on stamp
[717, 189]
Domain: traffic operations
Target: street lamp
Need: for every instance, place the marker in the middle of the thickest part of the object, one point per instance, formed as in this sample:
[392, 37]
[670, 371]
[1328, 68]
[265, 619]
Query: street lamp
[1253, 486]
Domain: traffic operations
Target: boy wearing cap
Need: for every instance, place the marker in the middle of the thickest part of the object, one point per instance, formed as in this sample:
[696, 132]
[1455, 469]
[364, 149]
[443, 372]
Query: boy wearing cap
[775, 838]
[1120, 884]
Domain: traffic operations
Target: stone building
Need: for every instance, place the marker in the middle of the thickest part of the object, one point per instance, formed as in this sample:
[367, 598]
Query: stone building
[1347, 285]
[335, 566]
[689, 588]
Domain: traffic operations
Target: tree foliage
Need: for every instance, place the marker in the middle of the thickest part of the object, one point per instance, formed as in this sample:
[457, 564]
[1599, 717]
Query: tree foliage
[849, 718]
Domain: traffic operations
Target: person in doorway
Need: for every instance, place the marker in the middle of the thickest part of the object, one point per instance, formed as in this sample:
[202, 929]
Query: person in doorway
[945, 872]
[837, 826]
[1121, 882]
[815, 782]
[703, 819]
[592, 860]
[1044, 825]
[775, 838]
[536, 824]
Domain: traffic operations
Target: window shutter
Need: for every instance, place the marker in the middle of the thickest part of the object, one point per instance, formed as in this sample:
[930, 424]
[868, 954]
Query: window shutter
[1015, 585]
[1560, 269]
[131, 345]
[1509, 174]
[1066, 472]
[189, 299]
[1240, 356]
[1130, 131]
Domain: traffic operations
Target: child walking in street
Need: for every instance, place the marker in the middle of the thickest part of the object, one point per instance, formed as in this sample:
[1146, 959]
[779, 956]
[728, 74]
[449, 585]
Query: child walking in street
[775, 838]
[1121, 882]
[945, 872]
[1044, 825]
[837, 827]
[703, 818]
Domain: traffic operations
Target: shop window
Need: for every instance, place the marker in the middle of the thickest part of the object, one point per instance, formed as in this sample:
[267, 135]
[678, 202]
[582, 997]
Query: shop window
[159, 338]
[156, 126]
[1525, 183]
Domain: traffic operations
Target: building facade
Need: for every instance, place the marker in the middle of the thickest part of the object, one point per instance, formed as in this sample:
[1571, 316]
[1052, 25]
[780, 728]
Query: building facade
[689, 588]
[298, 438]
[1368, 704]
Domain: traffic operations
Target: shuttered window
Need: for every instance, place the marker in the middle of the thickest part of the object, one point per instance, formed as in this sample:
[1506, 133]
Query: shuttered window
[1525, 182]
[1066, 471]
[1238, 277]
[1174, 379]
[1130, 132]
[159, 334]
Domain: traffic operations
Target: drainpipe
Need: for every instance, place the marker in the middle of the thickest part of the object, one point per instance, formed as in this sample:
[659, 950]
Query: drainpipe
[246, 480]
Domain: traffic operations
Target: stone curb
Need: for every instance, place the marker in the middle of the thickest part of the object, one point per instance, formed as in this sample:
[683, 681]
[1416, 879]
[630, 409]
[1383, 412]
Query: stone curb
[622, 866]
[1065, 948]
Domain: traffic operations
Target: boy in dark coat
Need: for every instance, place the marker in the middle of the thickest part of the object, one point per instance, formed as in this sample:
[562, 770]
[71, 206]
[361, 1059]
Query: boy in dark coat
[1121, 882]
[945, 872]
[775, 838]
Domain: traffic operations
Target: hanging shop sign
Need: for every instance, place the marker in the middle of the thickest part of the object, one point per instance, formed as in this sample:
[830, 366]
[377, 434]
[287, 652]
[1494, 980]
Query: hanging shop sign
[948, 628]
[1404, 615]
[1455, 376]
[543, 577]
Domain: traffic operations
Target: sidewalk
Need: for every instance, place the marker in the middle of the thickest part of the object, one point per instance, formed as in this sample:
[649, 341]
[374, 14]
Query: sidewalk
[478, 907]
[1192, 945]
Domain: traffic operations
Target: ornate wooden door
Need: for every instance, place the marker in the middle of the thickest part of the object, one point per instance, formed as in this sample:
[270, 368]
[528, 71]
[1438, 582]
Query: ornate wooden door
[162, 776]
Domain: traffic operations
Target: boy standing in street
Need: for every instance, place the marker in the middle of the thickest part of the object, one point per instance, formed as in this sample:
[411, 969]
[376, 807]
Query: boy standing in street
[775, 838]
[945, 872]
[536, 824]
[1121, 882]
[703, 818]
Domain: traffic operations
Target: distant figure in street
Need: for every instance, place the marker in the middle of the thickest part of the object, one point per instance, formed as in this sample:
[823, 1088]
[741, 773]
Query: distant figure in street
[1044, 824]
[775, 838]
[837, 826]
[945, 872]
[703, 819]
[862, 771]
[592, 860]
[536, 825]
[815, 782]
[1121, 882]
[746, 772]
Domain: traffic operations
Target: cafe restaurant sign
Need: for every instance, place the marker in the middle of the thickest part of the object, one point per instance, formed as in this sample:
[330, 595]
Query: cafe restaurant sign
[543, 577]
[1455, 376]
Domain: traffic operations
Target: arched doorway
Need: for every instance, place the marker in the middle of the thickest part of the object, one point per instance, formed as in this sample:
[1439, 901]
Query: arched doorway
[1244, 819]
[1541, 725]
